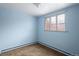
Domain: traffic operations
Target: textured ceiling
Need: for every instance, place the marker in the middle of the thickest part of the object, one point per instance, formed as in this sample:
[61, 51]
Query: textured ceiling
[43, 8]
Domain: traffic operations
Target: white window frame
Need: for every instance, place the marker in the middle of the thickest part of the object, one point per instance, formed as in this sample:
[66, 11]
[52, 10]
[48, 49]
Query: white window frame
[56, 23]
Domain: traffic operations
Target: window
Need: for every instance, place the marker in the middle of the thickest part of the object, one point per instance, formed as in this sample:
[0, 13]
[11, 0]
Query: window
[47, 24]
[55, 23]
[61, 22]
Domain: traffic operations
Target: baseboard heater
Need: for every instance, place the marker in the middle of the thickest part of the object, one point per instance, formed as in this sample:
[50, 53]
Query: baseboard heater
[66, 53]
[9, 49]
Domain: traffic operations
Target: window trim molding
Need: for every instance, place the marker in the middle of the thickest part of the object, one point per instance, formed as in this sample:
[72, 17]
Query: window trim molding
[56, 23]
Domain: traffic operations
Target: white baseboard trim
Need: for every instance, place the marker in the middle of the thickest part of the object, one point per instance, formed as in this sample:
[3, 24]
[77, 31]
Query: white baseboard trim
[9, 49]
[67, 54]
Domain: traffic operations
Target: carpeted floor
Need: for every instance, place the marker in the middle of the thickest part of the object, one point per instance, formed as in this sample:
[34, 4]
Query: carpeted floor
[32, 50]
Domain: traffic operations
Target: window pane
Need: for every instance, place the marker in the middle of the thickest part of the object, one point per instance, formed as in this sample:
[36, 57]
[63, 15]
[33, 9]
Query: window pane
[61, 27]
[61, 22]
[53, 24]
[53, 20]
[47, 20]
[61, 18]
[52, 27]
[47, 23]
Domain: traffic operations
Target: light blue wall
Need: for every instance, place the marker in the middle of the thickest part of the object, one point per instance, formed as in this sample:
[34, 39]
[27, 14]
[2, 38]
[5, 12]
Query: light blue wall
[67, 41]
[16, 28]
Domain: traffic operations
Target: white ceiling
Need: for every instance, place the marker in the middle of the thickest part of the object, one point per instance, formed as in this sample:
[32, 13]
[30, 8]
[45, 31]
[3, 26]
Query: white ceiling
[43, 8]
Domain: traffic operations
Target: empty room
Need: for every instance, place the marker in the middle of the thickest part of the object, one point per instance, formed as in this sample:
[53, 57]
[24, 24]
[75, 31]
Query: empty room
[39, 29]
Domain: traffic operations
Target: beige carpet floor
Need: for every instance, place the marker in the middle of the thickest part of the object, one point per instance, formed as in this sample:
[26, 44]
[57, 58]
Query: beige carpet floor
[32, 50]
